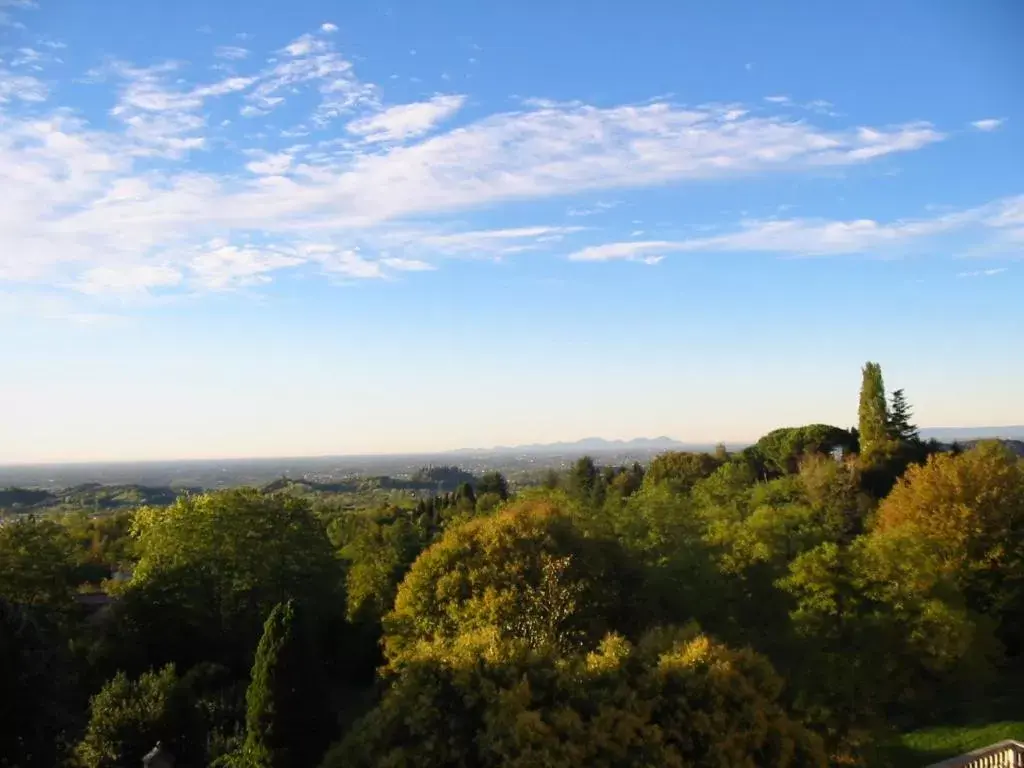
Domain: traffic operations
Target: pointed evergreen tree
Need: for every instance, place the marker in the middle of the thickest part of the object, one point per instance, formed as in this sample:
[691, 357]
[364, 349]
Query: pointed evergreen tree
[288, 720]
[874, 416]
[493, 482]
[900, 412]
[582, 478]
[465, 491]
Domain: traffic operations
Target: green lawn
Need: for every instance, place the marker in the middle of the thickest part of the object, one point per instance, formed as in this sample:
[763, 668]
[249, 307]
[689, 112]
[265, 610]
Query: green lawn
[930, 745]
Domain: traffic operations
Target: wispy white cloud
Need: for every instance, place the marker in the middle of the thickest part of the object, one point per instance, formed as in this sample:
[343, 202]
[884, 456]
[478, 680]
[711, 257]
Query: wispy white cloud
[406, 121]
[160, 117]
[231, 52]
[345, 262]
[328, 27]
[270, 164]
[219, 265]
[596, 208]
[311, 59]
[21, 87]
[131, 278]
[627, 251]
[809, 237]
[8, 6]
[128, 207]
[496, 241]
[778, 99]
[982, 272]
[31, 58]
[989, 124]
[407, 265]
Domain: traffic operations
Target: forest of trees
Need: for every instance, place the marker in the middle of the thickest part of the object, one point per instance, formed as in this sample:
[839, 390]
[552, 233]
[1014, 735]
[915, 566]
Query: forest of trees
[795, 603]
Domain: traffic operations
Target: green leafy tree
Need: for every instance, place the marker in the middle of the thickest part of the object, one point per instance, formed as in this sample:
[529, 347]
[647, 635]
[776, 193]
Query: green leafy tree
[378, 550]
[551, 480]
[784, 449]
[488, 502]
[873, 427]
[211, 567]
[288, 720]
[676, 698]
[37, 563]
[727, 490]
[666, 536]
[103, 541]
[127, 717]
[680, 469]
[879, 634]
[584, 482]
[834, 492]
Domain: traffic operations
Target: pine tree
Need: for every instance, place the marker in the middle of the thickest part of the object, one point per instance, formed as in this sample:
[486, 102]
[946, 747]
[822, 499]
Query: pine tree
[874, 417]
[493, 482]
[900, 412]
[288, 722]
[465, 491]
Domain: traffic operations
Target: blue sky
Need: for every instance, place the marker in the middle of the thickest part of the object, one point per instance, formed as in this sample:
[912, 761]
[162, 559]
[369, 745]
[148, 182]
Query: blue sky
[263, 228]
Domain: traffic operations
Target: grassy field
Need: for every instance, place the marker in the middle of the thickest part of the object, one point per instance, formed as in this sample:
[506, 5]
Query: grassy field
[930, 745]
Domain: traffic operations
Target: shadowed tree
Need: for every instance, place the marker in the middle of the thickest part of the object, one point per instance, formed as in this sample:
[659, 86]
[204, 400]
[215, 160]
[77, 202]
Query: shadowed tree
[288, 720]
[32, 712]
[493, 482]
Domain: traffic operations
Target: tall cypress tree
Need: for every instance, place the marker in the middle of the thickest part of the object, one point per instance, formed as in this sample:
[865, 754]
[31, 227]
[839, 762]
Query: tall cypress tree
[288, 720]
[874, 415]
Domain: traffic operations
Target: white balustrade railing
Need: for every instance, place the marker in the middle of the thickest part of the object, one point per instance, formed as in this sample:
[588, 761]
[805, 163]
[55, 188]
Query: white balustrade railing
[1004, 754]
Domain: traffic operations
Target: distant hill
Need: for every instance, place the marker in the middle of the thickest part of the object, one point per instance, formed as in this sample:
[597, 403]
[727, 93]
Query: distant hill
[1017, 446]
[94, 497]
[960, 434]
[596, 445]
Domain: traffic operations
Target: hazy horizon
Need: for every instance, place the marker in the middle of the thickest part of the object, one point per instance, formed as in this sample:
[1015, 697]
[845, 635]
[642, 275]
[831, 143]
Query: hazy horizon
[1011, 431]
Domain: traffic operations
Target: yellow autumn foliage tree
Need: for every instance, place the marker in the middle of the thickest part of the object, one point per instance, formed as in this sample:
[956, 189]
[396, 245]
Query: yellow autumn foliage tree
[526, 572]
[969, 511]
[676, 698]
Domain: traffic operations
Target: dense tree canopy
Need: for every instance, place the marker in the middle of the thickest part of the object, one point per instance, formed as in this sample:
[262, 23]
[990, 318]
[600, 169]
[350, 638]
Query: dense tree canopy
[127, 717]
[210, 569]
[783, 449]
[680, 469]
[969, 510]
[37, 563]
[525, 572]
[677, 698]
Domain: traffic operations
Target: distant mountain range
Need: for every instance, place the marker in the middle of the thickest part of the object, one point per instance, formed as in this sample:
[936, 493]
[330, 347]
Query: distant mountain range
[649, 444]
[596, 445]
[949, 434]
